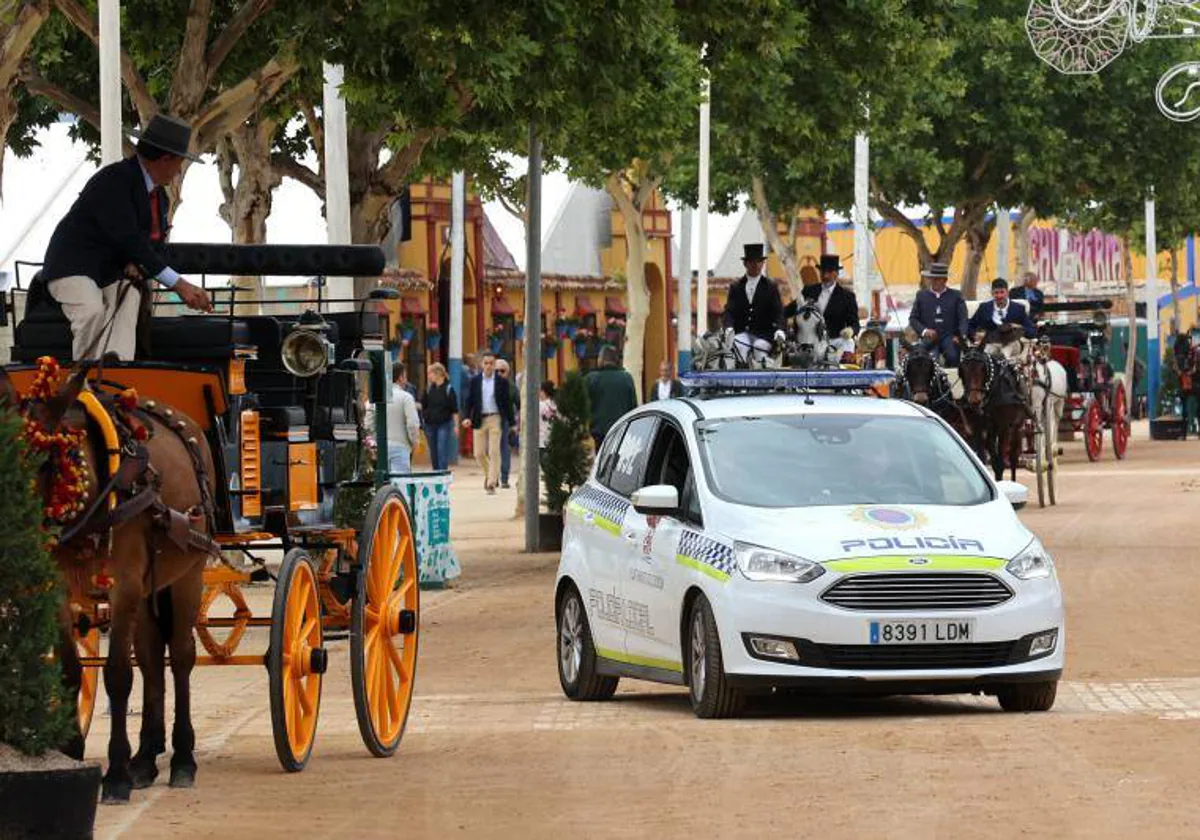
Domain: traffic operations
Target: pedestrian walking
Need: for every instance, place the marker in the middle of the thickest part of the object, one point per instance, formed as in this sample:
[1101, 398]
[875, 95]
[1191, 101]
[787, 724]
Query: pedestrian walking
[439, 409]
[612, 394]
[403, 426]
[487, 402]
[509, 434]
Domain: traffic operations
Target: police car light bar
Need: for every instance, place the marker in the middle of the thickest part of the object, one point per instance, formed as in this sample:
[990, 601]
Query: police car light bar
[786, 380]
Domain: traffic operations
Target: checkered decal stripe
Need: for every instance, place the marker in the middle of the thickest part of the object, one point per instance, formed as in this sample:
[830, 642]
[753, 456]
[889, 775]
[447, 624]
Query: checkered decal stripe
[605, 505]
[701, 549]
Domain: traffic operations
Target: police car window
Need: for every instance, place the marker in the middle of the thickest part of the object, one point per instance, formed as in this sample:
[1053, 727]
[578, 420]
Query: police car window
[629, 461]
[668, 462]
[804, 460]
[606, 458]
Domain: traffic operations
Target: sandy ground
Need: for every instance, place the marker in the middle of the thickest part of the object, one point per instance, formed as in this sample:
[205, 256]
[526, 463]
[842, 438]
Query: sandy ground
[493, 749]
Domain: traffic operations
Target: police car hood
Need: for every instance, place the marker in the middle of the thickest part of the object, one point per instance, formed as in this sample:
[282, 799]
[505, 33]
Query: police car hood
[836, 533]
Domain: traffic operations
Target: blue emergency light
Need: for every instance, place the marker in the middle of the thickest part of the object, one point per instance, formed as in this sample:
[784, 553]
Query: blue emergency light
[796, 381]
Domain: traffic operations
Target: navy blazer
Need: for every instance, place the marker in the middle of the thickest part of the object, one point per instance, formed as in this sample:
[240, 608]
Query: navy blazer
[762, 317]
[1035, 297]
[946, 315]
[473, 407]
[107, 228]
[1016, 314]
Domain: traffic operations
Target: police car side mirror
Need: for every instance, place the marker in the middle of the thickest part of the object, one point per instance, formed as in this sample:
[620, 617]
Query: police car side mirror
[656, 500]
[1017, 494]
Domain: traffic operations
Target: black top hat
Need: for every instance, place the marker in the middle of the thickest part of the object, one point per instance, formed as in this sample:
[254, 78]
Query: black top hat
[755, 251]
[169, 134]
[830, 262]
[937, 270]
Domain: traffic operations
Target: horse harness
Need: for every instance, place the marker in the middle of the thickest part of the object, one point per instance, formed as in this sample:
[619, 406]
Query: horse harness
[134, 486]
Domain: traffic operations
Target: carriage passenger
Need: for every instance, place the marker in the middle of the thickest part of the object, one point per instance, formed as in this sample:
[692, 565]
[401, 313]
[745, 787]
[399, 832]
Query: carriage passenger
[939, 315]
[992, 315]
[754, 309]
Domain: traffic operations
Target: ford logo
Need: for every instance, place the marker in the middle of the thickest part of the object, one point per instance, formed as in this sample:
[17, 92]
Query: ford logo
[919, 561]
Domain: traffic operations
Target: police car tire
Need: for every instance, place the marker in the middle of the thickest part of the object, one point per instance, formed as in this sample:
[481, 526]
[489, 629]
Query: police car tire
[718, 699]
[588, 685]
[1028, 697]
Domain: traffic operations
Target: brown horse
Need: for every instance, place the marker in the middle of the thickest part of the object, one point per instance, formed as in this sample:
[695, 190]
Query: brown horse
[156, 581]
[922, 380]
[994, 404]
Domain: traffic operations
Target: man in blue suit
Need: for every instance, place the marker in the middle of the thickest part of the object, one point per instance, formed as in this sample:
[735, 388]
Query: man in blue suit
[939, 315]
[994, 313]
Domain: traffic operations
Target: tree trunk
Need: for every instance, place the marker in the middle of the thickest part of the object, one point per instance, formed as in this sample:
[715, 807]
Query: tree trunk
[1174, 292]
[248, 202]
[786, 251]
[635, 270]
[1131, 303]
[1028, 217]
[16, 35]
[978, 238]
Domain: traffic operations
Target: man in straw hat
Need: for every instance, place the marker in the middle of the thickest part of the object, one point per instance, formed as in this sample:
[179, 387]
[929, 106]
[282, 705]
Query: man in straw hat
[939, 315]
[754, 309]
[113, 231]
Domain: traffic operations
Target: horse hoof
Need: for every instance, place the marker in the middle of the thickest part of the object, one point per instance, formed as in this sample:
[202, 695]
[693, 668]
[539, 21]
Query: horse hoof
[115, 793]
[143, 774]
[183, 777]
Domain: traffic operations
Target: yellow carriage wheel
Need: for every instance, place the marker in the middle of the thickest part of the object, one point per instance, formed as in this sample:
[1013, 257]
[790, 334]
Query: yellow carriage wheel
[296, 660]
[385, 612]
[87, 644]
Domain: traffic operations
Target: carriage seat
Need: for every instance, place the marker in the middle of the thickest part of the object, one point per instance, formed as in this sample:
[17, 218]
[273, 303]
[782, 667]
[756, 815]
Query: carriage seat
[1068, 357]
[197, 338]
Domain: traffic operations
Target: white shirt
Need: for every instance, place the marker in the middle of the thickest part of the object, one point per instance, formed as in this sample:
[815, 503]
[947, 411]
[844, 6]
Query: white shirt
[825, 295]
[752, 286]
[488, 399]
[998, 315]
[664, 389]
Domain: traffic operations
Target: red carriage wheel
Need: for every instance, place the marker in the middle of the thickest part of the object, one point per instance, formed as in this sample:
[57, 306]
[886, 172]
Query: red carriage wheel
[1120, 422]
[1093, 430]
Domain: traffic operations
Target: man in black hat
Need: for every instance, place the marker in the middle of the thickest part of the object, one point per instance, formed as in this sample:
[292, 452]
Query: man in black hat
[939, 315]
[754, 309]
[837, 304]
[113, 231]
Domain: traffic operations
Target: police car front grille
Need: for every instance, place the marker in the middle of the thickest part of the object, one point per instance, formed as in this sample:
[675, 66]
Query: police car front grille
[917, 591]
[907, 657]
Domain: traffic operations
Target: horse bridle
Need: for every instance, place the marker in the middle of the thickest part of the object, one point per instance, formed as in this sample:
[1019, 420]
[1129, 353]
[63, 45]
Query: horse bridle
[989, 372]
[940, 375]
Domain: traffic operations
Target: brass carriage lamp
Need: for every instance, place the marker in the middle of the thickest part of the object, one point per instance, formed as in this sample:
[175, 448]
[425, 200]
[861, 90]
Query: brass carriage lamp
[307, 351]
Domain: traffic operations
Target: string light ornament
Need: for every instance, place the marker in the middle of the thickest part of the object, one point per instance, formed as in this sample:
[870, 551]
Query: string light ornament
[1081, 37]
[62, 448]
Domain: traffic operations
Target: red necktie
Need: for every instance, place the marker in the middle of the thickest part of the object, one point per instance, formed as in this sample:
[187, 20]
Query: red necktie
[155, 213]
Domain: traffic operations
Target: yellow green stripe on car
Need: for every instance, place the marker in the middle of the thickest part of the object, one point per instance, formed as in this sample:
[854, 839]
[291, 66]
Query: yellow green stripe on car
[599, 521]
[701, 567]
[643, 661]
[903, 563]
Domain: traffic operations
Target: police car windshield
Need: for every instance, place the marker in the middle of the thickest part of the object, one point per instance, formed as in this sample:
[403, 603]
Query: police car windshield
[806, 460]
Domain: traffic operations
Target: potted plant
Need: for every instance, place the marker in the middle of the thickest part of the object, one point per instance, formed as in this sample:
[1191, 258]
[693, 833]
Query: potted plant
[615, 330]
[549, 346]
[408, 329]
[583, 338]
[567, 459]
[496, 338]
[433, 338]
[1168, 422]
[43, 793]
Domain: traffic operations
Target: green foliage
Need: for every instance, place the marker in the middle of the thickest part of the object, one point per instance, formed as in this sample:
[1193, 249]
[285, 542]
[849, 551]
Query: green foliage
[34, 715]
[1168, 386]
[566, 463]
[354, 463]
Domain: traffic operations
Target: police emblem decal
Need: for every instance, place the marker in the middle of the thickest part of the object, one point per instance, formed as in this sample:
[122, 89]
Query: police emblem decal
[894, 518]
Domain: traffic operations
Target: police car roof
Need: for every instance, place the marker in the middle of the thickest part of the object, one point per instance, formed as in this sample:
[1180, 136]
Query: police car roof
[758, 405]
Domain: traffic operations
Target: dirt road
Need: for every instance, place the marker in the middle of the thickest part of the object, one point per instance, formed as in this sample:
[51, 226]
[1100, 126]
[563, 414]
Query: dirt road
[493, 750]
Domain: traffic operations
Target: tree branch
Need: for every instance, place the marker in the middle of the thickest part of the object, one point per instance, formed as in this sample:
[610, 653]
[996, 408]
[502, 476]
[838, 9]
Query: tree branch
[289, 167]
[316, 128]
[893, 214]
[139, 92]
[249, 12]
[770, 228]
[235, 105]
[190, 81]
[18, 36]
[393, 177]
[37, 84]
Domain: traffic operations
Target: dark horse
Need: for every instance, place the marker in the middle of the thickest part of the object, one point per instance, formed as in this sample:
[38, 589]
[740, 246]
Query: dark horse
[994, 403]
[923, 381]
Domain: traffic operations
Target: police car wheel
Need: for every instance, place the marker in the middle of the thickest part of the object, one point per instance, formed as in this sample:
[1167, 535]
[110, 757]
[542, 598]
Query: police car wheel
[710, 692]
[1028, 697]
[576, 655]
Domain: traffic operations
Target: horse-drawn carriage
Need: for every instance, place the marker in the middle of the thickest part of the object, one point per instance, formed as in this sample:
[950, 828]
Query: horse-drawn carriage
[1096, 399]
[278, 402]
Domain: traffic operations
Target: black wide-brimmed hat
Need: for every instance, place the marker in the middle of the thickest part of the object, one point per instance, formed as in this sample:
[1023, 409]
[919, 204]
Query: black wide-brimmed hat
[169, 134]
[830, 262]
[937, 270]
[754, 251]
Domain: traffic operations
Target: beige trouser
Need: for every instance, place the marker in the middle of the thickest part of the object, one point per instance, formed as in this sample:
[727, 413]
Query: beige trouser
[487, 449]
[89, 308]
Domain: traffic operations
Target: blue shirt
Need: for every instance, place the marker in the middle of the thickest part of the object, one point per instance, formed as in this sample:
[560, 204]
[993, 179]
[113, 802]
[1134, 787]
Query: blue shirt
[168, 276]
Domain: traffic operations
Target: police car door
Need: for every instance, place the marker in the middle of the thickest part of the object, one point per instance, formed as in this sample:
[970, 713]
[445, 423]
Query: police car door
[604, 506]
[651, 584]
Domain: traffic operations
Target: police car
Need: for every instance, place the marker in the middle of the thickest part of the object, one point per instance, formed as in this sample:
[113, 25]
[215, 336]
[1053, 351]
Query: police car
[784, 530]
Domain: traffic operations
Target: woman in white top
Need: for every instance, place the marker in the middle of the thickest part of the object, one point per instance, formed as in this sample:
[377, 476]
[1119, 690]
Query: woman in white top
[546, 411]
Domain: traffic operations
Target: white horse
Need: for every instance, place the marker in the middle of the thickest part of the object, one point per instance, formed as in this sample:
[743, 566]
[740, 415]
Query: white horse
[714, 351]
[1048, 390]
[810, 346]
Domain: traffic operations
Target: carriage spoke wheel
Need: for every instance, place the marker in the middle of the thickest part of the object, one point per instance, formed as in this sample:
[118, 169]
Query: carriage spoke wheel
[1093, 430]
[1039, 462]
[1050, 458]
[296, 660]
[384, 623]
[1120, 422]
[87, 644]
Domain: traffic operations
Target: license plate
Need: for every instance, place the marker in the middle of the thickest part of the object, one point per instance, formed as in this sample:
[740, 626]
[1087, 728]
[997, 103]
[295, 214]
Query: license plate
[930, 632]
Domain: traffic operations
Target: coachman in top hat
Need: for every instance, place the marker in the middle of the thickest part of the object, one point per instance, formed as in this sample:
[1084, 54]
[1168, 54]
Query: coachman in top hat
[837, 304]
[754, 309]
[112, 232]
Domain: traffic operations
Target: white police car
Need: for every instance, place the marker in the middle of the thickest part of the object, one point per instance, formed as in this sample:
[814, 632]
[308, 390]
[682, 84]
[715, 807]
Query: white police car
[740, 540]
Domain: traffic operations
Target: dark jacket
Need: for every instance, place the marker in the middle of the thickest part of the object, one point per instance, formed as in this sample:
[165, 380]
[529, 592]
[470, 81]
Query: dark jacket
[840, 312]
[982, 319]
[947, 315]
[439, 405]
[762, 317]
[473, 407]
[1036, 298]
[107, 228]
[612, 394]
[676, 389]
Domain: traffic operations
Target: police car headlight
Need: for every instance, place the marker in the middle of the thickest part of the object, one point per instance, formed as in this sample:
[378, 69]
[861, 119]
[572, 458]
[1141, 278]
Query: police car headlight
[1032, 563]
[758, 563]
